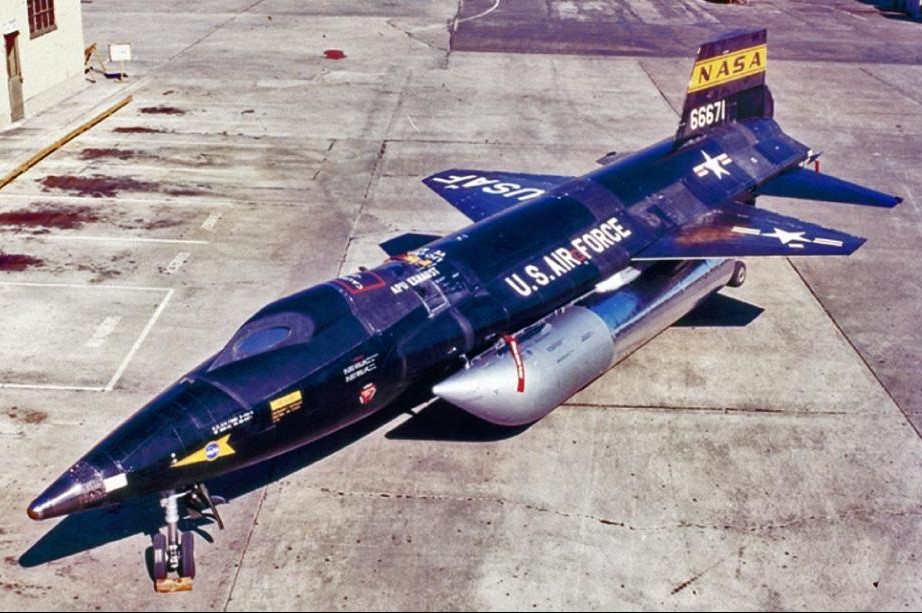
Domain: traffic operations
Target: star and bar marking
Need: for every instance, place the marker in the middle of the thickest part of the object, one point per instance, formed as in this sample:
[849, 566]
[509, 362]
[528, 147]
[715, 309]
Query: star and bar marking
[713, 165]
[794, 240]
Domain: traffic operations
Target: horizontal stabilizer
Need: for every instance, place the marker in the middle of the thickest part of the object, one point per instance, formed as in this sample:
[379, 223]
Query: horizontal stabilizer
[406, 242]
[482, 193]
[738, 230]
[809, 185]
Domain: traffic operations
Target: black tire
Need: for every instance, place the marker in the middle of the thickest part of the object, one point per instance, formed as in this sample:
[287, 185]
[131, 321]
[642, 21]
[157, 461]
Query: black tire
[159, 566]
[739, 274]
[187, 555]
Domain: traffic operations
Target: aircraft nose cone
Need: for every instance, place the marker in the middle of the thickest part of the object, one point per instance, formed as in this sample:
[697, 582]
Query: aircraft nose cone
[62, 497]
[73, 491]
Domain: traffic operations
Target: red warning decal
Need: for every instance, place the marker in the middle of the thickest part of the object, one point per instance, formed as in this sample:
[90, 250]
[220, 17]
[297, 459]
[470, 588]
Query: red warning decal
[360, 282]
[519, 365]
[367, 393]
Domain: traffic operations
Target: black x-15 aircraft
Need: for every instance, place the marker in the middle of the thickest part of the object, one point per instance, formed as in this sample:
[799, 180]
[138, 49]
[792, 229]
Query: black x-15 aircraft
[557, 280]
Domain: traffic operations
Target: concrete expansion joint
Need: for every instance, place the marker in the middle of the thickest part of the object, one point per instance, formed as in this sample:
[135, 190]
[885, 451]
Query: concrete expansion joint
[794, 522]
[375, 175]
[700, 409]
[477, 499]
[873, 374]
[326, 158]
[411, 34]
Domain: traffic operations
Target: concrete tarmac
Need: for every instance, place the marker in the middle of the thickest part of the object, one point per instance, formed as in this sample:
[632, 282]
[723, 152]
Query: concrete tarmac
[763, 454]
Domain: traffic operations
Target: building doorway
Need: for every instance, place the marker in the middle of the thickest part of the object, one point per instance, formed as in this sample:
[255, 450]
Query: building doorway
[14, 72]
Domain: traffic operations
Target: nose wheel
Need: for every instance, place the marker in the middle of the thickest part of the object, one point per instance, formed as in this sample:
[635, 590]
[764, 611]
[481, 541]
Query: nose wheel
[174, 555]
[174, 552]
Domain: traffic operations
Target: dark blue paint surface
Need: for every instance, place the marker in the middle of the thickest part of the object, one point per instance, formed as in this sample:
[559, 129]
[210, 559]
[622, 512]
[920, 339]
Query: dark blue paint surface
[539, 242]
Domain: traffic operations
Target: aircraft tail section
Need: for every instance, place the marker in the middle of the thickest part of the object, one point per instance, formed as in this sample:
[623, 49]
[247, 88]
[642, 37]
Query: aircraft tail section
[727, 84]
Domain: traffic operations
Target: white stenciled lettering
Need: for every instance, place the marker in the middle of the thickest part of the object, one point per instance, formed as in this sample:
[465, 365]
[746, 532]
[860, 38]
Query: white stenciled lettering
[535, 273]
[400, 287]
[562, 260]
[492, 187]
[707, 115]
[501, 188]
[578, 245]
[566, 257]
[412, 281]
[593, 243]
[480, 182]
[452, 180]
[554, 266]
[516, 283]
[429, 273]
[615, 226]
[603, 238]
[526, 193]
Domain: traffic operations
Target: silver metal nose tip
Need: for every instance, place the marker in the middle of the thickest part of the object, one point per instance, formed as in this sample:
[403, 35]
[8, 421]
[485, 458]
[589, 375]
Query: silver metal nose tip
[81, 487]
[62, 497]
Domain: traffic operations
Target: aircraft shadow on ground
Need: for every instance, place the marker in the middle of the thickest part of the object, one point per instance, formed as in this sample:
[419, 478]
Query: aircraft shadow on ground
[720, 311]
[887, 9]
[91, 529]
[429, 421]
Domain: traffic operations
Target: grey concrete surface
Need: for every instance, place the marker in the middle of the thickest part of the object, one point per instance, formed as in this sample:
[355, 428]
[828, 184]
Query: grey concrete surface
[761, 455]
[861, 31]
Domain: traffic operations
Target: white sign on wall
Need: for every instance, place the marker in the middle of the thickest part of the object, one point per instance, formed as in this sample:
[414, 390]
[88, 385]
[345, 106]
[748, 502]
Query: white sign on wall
[9, 26]
[119, 52]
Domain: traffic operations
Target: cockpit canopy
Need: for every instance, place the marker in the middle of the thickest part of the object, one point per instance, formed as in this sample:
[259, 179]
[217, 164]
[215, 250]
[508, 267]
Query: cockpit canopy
[290, 321]
[262, 334]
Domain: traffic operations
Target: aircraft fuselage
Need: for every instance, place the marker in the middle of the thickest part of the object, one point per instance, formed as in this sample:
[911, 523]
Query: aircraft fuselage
[316, 361]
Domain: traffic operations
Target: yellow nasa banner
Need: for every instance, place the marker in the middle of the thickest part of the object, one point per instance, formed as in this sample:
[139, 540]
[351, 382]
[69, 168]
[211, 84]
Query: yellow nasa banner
[210, 452]
[727, 68]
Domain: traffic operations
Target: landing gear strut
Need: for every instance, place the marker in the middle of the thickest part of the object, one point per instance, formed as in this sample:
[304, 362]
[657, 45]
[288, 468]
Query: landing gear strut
[174, 552]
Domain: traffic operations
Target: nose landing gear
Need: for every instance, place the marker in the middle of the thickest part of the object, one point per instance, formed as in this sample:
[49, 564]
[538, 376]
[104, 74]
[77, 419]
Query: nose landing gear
[174, 552]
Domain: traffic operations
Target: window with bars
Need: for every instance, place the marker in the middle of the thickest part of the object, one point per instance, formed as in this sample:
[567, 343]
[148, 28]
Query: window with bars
[41, 17]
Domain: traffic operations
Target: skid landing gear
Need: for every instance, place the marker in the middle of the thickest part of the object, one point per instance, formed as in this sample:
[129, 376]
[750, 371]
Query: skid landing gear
[174, 552]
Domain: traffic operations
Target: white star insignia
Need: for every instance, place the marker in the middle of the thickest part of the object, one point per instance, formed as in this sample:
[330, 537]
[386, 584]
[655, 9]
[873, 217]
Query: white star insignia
[787, 237]
[713, 165]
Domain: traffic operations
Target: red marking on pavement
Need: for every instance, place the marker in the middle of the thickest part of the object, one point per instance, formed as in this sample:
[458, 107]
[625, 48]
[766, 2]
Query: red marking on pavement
[91, 153]
[49, 216]
[162, 110]
[137, 130]
[102, 186]
[334, 54]
[16, 262]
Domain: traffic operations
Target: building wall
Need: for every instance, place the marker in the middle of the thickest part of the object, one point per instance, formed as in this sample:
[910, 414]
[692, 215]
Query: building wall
[51, 64]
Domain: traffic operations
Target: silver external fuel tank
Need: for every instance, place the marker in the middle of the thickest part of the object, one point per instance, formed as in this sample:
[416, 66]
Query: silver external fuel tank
[528, 375]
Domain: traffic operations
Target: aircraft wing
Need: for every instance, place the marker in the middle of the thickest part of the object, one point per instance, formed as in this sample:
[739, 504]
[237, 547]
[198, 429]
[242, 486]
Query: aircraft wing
[406, 242]
[482, 193]
[738, 230]
[809, 185]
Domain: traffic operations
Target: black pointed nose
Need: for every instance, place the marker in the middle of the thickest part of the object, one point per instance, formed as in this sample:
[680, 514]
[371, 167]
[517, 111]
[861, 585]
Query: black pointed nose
[62, 497]
[77, 489]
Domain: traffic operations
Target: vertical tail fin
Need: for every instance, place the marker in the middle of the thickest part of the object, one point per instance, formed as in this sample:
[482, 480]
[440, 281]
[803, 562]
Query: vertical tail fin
[727, 84]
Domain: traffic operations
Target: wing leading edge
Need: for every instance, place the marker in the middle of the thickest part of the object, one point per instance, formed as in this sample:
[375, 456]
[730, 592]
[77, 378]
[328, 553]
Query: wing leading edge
[809, 185]
[482, 193]
[737, 230]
